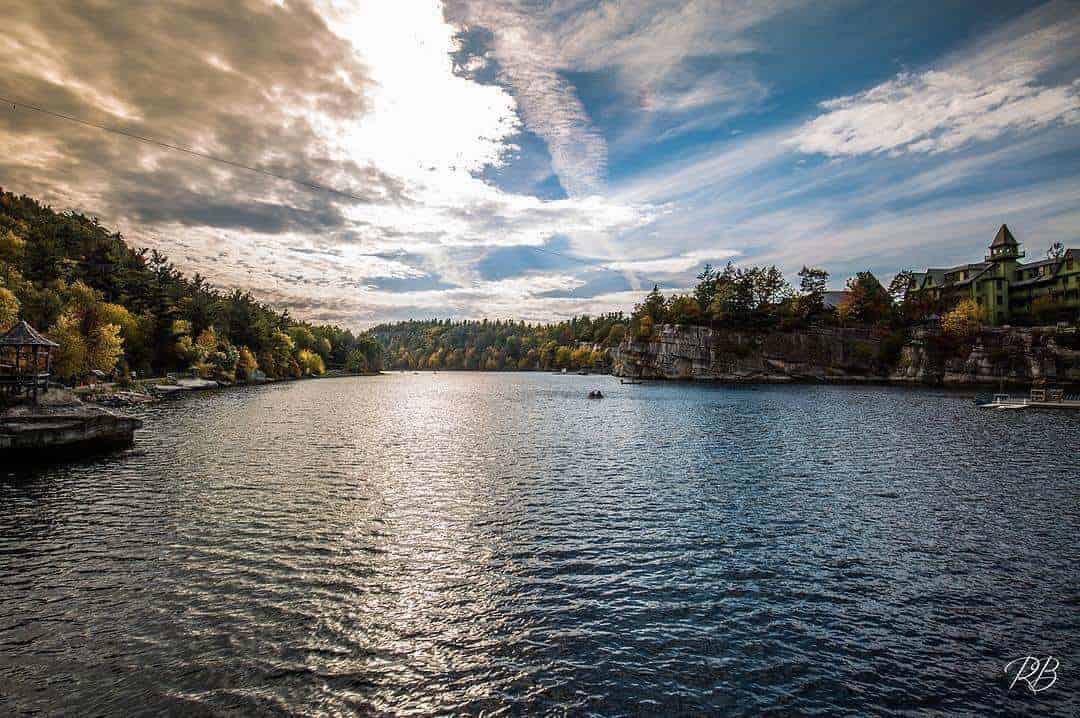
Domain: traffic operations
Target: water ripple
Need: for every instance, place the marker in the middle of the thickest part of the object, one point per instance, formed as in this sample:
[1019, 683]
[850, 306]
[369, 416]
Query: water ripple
[498, 544]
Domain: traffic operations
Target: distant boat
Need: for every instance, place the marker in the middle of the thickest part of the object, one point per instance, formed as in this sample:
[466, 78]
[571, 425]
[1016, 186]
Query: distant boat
[563, 370]
[629, 381]
[583, 372]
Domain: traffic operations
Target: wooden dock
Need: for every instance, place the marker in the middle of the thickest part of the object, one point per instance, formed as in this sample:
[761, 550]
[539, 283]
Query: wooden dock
[1038, 399]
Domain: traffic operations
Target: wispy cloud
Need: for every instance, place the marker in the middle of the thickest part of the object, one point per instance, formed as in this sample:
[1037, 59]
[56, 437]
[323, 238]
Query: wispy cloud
[674, 264]
[530, 61]
[650, 42]
[996, 88]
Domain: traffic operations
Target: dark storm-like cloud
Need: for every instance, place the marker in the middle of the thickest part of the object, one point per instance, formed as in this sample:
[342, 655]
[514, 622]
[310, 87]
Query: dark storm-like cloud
[237, 79]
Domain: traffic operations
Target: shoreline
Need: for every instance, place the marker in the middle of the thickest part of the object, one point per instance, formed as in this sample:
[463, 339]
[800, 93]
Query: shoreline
[158, 389]
[779, 380]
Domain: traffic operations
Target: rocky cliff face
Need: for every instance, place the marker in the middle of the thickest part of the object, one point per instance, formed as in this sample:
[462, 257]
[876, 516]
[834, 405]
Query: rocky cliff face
[832, 354]
[740, 356]
[1013, 355]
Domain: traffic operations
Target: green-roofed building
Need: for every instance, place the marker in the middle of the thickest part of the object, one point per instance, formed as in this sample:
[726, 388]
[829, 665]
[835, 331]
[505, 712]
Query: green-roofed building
[1004, 288]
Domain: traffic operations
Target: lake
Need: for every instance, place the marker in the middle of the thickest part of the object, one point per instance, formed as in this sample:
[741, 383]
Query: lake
[467, 543]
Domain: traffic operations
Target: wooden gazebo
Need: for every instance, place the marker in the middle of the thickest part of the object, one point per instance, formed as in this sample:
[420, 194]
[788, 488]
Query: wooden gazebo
[25, 361]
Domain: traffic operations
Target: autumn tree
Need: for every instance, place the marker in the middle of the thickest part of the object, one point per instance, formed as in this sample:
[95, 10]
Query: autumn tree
[246, 364]
[9, 309]
[963, 320]
[684, 310]
[88, 341]
[615, 335]
[644, 327]
[866, 301]
[311, 364]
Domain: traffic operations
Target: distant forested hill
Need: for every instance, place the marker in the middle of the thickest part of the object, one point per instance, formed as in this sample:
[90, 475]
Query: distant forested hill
[500, 345]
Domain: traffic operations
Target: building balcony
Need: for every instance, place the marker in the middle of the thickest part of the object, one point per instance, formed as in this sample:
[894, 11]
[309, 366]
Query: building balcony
[1018, 254]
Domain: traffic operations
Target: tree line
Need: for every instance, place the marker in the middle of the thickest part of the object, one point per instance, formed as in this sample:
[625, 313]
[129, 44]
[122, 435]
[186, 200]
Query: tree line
[761, 298]
[120, 310]
[501, 345]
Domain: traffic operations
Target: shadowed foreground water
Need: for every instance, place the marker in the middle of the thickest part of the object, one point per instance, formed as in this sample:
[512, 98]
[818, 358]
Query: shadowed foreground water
[483, 542]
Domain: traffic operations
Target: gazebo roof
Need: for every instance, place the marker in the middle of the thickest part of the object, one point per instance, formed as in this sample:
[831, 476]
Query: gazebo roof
[24, 335]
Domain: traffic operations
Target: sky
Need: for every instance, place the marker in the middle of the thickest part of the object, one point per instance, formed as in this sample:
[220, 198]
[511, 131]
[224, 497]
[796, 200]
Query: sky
[537, 159]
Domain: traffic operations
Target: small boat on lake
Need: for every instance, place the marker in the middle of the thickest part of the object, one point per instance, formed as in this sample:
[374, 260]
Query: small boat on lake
[629, 381]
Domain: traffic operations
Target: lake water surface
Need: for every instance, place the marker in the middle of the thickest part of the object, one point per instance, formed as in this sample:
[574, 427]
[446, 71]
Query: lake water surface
[467, 543]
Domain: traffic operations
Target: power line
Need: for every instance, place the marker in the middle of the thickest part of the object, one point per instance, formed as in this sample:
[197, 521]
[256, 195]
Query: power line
[205, 156]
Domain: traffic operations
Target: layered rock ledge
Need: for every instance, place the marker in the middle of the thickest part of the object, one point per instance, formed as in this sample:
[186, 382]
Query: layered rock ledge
[62, 427]
[853, 355]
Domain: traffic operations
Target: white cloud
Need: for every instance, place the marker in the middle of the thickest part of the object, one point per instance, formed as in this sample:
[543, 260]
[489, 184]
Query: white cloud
[934, 112]
[529, 58]
[995, 88]
[673, 264]
[647, 41]
[645, 44]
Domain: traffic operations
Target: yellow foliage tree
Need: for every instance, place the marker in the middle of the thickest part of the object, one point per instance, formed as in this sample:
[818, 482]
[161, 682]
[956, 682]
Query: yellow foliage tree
[104, 348]
[9, 309]
[207, 340]
[246, 365]
[645, 327]
[69, 359]
[580, 357]
[115, 314]
[11, 246]
[88, 340]
[311, 364]
[845, 310]
[963, 320]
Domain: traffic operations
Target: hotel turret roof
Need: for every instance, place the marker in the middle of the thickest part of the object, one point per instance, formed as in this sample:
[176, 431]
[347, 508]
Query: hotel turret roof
[1004, 238]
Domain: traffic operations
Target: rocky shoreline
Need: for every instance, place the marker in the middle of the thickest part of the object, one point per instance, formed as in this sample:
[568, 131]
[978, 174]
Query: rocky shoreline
[1014, 356]
[60, 427]
[154, 390]
[68, 424]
